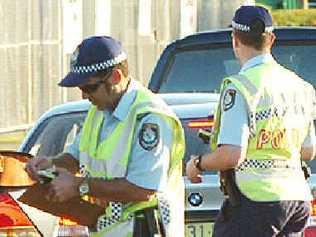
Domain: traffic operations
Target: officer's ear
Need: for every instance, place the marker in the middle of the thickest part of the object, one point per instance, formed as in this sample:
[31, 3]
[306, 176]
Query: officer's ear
[271, 38]
[116, 77]
[235, 40]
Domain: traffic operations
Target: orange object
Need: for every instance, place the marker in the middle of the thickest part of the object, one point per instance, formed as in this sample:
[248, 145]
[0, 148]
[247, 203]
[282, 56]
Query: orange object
[12, 169]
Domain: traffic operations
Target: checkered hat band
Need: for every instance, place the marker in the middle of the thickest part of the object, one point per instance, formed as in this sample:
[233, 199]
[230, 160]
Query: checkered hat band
[99, 66]
[266, 164]
[240, 27]
[246, 28]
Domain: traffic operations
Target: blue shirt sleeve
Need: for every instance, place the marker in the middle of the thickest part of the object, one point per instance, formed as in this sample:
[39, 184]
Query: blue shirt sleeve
[148, 165]
[234, 129]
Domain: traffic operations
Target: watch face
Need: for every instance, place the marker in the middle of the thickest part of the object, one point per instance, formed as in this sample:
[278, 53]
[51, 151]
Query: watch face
[84, 188]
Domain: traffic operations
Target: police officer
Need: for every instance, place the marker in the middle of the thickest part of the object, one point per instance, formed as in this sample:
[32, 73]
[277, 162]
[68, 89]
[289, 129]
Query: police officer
[128, 153]
[264, 126]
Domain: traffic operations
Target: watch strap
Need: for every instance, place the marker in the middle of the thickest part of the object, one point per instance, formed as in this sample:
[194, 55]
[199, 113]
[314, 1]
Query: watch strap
[197, 163]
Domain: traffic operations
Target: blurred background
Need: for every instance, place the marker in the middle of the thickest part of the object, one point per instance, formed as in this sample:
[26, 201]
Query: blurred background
[37, 38]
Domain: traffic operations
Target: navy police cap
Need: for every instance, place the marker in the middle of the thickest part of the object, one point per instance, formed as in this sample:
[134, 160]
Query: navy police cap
[94, 54]
[245, 15]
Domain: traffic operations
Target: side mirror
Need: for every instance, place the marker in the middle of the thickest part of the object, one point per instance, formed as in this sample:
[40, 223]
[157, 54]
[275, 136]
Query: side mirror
[12, 172]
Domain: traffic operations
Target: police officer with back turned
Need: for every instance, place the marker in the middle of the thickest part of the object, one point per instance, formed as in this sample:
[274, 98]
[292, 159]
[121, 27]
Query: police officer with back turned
[263, 128]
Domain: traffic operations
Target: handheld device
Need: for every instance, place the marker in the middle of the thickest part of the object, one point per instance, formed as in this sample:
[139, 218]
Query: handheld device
[47, 175]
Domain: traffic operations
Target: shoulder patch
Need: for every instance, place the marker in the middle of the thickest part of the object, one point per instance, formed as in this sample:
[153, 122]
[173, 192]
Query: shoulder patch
[229, 99]
[149, 136]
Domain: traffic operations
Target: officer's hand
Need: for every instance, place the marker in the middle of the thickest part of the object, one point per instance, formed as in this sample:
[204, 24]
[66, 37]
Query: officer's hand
[35, 164]
[63, 187]
[192, 172]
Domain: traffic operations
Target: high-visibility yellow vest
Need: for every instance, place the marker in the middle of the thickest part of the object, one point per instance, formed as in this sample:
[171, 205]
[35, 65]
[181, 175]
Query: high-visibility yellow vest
[110, 158]
[280, 110]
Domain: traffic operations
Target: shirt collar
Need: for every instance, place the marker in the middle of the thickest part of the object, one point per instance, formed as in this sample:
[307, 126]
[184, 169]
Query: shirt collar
[124, 105]
[262, 58]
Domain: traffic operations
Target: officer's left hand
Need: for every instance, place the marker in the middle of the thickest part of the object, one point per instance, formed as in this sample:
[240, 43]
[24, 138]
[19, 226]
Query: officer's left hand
[63, 187]
[192, 172]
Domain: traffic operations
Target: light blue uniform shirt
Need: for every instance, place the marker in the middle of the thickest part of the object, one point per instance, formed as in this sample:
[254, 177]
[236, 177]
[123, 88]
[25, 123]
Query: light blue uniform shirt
[146, 168]
[234, 129]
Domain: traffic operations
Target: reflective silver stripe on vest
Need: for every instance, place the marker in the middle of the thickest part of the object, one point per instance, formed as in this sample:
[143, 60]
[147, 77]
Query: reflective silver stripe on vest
[113, 166]
[252, 89]
[267, 164]
[246, 83]
[263, 100]
[86, 162]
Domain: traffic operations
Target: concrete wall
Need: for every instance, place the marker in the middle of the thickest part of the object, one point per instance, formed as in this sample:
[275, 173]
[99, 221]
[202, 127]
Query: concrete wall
[38, 36]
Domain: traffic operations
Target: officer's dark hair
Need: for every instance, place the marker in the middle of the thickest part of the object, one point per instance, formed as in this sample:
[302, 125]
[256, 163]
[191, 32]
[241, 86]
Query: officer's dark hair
[256, 38]
[122, 65]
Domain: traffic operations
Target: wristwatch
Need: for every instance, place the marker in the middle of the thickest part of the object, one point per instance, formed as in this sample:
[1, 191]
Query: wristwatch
[84, 187]
[197, 163]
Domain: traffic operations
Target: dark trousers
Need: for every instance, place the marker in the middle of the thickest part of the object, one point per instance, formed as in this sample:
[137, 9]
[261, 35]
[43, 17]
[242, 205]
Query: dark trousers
[147, 224]
[140, 227]
[262, 219]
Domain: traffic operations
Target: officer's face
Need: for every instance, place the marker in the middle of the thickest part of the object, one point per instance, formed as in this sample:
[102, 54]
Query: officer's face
[98, 90]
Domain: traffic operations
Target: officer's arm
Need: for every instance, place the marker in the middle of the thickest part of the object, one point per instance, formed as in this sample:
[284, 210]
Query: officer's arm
[67, 161]
[119, 190]
[308, 153]
[233, 135]
[308, 149]
[223, 158]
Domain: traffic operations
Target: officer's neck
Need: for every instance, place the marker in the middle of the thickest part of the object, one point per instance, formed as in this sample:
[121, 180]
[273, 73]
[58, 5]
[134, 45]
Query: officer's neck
[248, 53]
[122, 89]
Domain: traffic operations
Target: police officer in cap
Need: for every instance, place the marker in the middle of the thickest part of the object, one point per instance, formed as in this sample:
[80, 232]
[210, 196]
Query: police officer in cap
[128, 153]
[263, 128]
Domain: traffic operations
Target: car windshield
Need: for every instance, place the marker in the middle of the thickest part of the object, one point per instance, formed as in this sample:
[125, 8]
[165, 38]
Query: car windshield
[202, 70]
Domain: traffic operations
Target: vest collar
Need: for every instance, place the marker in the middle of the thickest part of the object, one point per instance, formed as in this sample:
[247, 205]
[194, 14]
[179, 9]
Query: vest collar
[260, 59]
